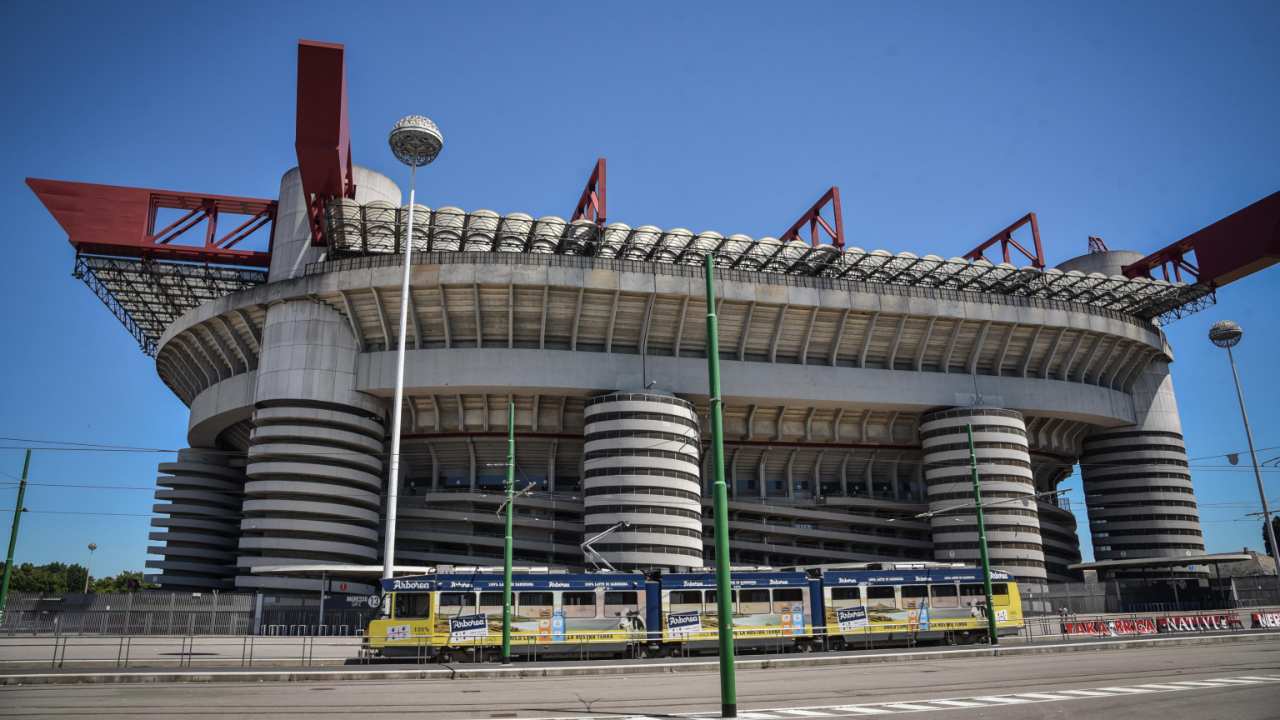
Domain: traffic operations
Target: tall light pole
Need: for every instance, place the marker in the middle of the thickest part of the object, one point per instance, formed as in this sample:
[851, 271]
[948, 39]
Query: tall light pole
[993, 636]
[13, 533]
[88, 565]
[724, 588]
[415, 141]
[506, 542]
[1227, 334]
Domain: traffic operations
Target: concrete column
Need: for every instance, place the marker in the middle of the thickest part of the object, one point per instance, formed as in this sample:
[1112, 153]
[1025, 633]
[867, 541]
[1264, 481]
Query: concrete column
[644, 470]
[1137, 481]
[1004, 466]
[315, 466]
[201, 492]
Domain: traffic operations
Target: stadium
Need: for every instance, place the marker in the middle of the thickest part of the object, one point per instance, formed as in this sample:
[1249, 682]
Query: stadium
[850, 376]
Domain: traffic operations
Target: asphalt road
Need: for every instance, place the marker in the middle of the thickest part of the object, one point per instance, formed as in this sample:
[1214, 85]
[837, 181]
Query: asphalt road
[1238, 681]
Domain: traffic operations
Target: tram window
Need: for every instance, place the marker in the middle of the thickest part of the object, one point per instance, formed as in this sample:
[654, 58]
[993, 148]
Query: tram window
[619, 603]
[944, 596]
[412, 605]
[753, 602]
[881, 598]
[788, 600]
[579, 604]
[913, 596]
[712, 601]
[843, 597]
[686, 600]
[456, 603]
[535, 604]
[491, 603]
[1000, 593]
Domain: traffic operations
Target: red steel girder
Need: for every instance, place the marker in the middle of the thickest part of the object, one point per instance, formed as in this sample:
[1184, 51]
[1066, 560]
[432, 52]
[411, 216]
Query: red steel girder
[1005, 238]
[121, 221]
[592, 203]
[323, 132]
[1240, 244]
[813, 218]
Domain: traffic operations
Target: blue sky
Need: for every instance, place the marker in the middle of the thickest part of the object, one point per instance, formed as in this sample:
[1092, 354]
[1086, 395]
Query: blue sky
[940, 122]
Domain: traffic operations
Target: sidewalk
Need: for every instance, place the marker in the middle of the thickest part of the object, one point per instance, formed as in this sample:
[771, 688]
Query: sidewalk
[608, 667]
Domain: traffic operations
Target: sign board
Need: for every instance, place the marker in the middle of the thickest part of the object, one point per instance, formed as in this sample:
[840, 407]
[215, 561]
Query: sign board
[684, 623]
[852, 618]
[1266, 620]
[374, 601]
[468, 627]
[398, 632]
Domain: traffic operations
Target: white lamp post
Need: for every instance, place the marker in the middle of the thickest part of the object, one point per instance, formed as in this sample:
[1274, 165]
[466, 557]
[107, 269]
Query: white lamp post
[1227, 334]
[415, 141]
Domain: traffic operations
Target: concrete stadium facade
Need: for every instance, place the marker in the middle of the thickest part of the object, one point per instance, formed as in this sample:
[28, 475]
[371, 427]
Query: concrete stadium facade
[845, 406]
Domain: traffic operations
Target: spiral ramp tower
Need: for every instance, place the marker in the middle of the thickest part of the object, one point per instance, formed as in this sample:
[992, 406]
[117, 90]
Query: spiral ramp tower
[641, 467]
[200, 493]
[1007, 485]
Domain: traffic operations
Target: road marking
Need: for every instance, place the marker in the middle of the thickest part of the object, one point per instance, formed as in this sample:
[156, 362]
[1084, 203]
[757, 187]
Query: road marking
[909, 707]
[1198, 683]
[1126, 690]
[757, 716]
[804, 713]
[1001, 699]
[1044, 696]
[1158, 686]
[958, 703]
[862, 710]
[1235, 681]
[1264, 678]
[1086, 693]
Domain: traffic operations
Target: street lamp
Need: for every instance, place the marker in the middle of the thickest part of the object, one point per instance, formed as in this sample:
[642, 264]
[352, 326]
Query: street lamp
[92, 547]
[1227, 334]
[415, 141]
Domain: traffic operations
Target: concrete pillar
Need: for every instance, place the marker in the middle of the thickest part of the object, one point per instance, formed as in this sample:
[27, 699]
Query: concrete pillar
[315, 466]
[643, 468]
[1004, 465]
[201, 492]
[1137, 482]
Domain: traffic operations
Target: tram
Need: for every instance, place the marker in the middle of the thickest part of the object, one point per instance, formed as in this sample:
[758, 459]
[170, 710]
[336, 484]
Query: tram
[456, 614]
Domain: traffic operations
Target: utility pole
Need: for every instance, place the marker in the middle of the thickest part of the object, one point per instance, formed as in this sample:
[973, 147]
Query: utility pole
[724, 588]
[506, 543]
[13, 535]
[994, 637]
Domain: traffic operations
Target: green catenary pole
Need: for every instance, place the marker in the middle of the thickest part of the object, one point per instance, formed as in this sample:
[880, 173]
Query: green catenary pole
[982, 541]
[506, 542]
[13, 534]
[724, 592]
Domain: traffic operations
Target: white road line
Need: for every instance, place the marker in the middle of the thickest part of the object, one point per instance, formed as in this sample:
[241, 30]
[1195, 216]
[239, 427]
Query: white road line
[757, 716]
[803, 713]
[862, 710]
[910, 707]
[1086, 693]
[1235, 681]
[1264, 678]
[1133, 690]
[1044, 696]
[1197, 683]
[1158, 686]
[958, 703]
[1001, 699]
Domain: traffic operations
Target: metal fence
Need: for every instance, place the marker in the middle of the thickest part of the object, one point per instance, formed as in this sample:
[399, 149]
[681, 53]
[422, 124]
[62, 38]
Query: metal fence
[140, 613]
[186, 651]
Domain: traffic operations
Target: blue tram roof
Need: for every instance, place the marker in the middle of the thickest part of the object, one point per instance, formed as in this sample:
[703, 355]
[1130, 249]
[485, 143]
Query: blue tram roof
[908, 577]
[519, 581]
[671, 581]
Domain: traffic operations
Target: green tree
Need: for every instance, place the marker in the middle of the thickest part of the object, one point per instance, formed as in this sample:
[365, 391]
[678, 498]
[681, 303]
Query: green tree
[126, 581]
[53, 577]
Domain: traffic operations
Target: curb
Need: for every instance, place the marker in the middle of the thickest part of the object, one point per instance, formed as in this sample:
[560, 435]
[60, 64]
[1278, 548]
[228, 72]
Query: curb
[465, 673]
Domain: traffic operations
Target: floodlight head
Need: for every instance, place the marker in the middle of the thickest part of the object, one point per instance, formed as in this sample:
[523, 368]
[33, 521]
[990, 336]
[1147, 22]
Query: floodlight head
[1225, 333]
[415, 140]
[93, 546]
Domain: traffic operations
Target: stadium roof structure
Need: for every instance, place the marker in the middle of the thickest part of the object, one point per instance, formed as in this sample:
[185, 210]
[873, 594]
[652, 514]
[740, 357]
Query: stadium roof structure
[148, 275]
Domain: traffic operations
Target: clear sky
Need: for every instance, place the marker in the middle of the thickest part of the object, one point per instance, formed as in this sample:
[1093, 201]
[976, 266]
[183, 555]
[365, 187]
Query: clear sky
[940, 122]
